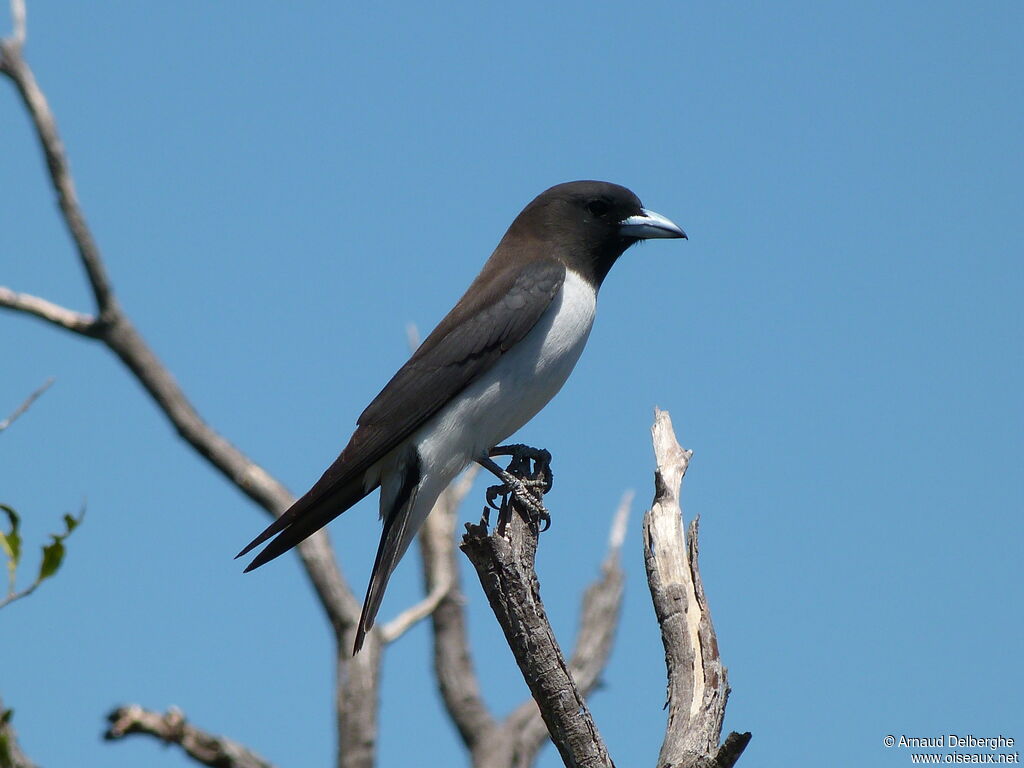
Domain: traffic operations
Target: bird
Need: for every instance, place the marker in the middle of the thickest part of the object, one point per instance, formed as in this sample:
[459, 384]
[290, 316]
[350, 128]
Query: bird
[491, 364]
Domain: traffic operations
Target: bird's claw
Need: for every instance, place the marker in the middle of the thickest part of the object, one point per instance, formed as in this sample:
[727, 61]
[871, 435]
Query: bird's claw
[514, 490]
[522, 455]
[493, 492]
[522, 486]
[543, 520]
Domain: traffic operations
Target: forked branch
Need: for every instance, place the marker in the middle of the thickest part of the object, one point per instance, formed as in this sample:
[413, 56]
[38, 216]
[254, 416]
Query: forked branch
[358, 678]
[171, 727]
[698, 687]
[113, 327]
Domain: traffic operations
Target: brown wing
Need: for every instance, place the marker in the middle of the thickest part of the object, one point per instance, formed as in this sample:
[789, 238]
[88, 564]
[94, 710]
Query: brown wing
[486, 322]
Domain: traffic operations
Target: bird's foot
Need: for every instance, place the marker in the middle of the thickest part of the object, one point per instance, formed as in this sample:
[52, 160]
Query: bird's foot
[520, 485]
[522, 455]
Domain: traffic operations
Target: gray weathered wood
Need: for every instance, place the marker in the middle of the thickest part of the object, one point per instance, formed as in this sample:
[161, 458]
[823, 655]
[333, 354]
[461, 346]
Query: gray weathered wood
[698, 686]
[505, 565]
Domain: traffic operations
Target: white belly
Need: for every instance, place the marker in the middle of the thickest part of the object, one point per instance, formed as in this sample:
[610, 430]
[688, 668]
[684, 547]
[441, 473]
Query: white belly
[489, 410]
[514, 390]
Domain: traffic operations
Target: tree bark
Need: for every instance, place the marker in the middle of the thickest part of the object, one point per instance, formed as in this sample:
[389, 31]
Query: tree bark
[505, 565]
[698, 686]
[172, 728]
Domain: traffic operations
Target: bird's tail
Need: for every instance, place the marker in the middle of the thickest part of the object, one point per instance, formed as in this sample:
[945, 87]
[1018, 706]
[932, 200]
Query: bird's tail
[400, 526]
[394, 541]
[304, 518]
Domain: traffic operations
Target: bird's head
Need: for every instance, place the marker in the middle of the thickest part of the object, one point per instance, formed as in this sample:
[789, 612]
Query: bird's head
[589, 224]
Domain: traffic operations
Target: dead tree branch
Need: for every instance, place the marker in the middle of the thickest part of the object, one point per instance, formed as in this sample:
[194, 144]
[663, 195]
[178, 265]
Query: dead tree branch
[84, 325]
[357, 677]
[413, 615]
[505, 566]
[69, 320]
[13, 64]
[113, 327]
[171, 727]
[26, 404]
[515, 741]
[599, 620]
[601, 604]
[698, 687]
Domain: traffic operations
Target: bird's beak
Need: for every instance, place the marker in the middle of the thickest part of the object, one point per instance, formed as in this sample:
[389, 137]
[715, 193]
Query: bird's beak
[648, 224]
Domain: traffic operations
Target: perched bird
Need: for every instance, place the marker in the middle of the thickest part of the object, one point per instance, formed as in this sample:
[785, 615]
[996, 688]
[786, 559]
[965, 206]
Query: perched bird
[491, 364]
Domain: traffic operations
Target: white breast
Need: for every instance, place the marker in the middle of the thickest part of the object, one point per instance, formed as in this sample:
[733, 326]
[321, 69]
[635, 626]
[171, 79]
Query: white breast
[491, 408]
[515, 389]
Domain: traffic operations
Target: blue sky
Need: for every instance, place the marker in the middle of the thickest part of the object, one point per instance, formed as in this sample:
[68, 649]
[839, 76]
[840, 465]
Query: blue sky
[278, 192]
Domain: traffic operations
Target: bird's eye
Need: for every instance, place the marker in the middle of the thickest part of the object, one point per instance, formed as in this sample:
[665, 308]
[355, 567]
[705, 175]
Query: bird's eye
[597, 207]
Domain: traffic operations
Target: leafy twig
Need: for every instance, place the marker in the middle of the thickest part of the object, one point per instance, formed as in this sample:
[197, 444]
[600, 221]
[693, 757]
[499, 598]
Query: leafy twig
[53, 553]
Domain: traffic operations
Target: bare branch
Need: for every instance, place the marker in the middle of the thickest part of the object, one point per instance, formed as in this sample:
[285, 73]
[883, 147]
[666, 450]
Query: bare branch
[315, 552]
[18, 19]
[505, 566]
[115, 329]
[414, 614]
[617, 534]
[27, 404]
[730, 751]
[357, 686]
[13, 65]
[356, 701]
[14, 596]
[698, 687]
[599, 619]
[172, 728]
[602, 603]
[69, 320]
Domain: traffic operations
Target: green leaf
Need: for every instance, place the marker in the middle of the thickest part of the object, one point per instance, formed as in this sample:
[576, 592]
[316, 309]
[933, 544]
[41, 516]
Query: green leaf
[11, 544]
[53, 556]
[12, 517]
[11, 541]
[71, 523]
[5, 717]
